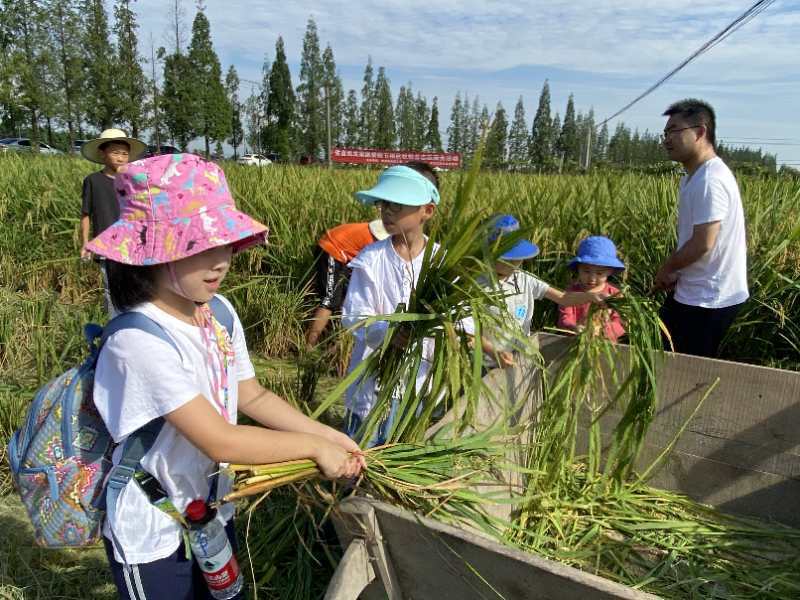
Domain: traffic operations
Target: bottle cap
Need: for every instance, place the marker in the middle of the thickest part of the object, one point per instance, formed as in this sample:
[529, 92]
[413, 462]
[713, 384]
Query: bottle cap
[196, 510]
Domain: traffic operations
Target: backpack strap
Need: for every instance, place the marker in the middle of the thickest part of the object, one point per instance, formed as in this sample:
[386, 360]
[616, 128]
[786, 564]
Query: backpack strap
[222, 314]
[136, 320]
[139, 443]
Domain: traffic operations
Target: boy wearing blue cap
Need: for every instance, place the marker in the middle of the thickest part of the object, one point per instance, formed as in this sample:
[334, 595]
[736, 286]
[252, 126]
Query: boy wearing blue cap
[384, 273]
[521, 290]
[596, 261]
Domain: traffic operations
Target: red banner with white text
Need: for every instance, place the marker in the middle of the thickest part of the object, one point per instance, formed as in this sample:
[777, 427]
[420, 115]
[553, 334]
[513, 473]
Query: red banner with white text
[373, 156]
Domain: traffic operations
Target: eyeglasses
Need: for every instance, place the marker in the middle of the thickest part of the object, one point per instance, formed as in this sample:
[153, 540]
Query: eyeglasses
[390, 207]
[666, 133]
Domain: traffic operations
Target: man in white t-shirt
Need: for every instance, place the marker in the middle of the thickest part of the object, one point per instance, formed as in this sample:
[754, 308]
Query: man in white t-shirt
[707, 275]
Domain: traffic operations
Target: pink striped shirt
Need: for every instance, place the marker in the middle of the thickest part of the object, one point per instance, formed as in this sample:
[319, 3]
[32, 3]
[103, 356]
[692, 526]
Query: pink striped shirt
[570, 317]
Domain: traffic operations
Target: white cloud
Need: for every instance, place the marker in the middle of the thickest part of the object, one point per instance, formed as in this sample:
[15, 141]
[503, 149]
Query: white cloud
[628, 37]
[605, 52]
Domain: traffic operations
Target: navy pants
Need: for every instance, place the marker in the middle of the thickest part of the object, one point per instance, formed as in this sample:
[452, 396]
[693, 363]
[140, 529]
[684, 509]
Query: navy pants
[696, 330]
[172, 578]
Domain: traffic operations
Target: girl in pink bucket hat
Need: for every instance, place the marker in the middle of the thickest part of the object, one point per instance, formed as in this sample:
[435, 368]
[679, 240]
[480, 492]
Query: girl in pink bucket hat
[167, 256]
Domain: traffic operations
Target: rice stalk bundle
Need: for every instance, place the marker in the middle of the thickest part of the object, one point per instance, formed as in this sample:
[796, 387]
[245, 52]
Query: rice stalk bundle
[441, 479]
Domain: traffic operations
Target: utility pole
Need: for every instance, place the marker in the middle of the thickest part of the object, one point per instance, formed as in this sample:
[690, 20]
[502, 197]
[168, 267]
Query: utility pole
[588, 161]
[155, 97]
[328, 122]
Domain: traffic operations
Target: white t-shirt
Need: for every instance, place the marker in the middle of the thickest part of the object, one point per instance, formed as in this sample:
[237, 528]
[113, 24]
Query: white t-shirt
[520, 290]
[381, 279]
[719, 278]
[138, 378]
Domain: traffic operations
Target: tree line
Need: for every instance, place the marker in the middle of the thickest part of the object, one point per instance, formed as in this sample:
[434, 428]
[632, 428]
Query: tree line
[69, 69]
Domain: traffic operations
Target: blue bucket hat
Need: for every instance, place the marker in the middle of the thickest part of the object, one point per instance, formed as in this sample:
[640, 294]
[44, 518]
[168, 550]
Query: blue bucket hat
[599, 251]
[523, 249]
[401, 185]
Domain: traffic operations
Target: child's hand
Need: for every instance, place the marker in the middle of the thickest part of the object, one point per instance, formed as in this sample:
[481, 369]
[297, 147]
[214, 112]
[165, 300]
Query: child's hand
[341, 439]
[85, 254]
[505, 359]
[597, 297]
[335, 462]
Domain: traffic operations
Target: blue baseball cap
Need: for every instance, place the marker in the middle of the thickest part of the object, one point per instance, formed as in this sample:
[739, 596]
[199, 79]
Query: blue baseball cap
[523, 249]
[401, 185]
[597, 250]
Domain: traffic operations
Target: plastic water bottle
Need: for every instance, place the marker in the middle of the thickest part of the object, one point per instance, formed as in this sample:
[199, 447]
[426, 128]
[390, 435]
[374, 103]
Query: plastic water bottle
[213, 552]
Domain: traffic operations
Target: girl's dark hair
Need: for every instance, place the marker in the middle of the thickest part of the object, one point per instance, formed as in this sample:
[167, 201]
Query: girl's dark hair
[424, 169]
[130, 285]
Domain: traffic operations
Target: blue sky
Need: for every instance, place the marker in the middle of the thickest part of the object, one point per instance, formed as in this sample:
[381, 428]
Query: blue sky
[606, 53]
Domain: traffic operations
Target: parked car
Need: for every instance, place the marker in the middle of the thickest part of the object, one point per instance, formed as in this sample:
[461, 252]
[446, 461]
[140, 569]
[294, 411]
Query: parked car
[76, 145]
[24, 145]
[259, 160]
[162, 149]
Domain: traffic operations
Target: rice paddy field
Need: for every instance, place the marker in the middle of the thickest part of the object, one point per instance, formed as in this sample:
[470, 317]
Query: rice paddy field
[47, 294]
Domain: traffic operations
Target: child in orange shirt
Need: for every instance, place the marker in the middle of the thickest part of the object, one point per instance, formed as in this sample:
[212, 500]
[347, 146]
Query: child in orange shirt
[337, 247]
[596, 261]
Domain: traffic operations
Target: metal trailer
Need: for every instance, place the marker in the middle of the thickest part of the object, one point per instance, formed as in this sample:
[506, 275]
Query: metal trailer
[739, 453]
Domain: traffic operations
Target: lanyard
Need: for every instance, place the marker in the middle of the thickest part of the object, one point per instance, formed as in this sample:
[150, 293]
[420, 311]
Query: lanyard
[219, 355]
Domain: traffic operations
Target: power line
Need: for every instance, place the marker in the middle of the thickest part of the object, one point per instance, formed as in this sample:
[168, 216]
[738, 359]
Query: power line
[741, 20]
[757, 143]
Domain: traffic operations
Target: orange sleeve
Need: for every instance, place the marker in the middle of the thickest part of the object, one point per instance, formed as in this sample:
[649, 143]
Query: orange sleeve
[344, 242]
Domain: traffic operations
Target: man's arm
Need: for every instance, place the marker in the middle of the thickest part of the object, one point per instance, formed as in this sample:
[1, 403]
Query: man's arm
[704, 236]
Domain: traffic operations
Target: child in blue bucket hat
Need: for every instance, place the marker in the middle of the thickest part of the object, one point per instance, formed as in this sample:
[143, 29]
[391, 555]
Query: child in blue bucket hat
[520, 290]
[595, 262]
[383, 276]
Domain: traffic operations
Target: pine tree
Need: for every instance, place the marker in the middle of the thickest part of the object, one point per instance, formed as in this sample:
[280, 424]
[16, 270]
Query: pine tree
[367, 128]
[213, 117]
[619, 145]
[540, 149]
[455, 143]
[253, 115]
[555, 132]
[473, 127]
[405, 114]
[384, 113]
[335, 93]
[421, 118]
[260, 115]
[311, 113]
[232, 91]
[496, 139]
[433, 139]
[568, 138]
[65, 34]
[179, 99]
[518, 138]
[351, 120]
[12, 113]
[29, 61]
[99, 96]
[482, 123]
[601, 145]
[280, 114]
[129, 81]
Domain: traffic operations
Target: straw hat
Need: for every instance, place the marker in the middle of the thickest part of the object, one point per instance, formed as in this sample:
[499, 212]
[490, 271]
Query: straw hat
[91, 149]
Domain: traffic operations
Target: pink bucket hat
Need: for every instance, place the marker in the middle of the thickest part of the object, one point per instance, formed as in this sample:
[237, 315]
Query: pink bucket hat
[174, 206]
